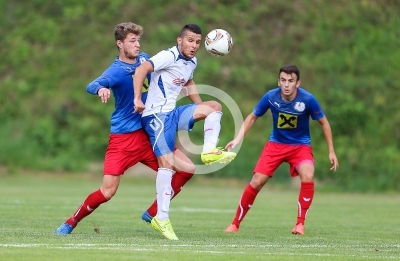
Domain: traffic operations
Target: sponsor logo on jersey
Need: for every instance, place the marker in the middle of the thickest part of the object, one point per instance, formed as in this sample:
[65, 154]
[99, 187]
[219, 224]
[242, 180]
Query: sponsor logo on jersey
[287, 121]
[299, 106]
[178, 81]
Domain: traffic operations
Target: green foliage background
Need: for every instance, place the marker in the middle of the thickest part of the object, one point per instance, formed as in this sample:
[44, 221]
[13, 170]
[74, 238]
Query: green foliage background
[348, 53]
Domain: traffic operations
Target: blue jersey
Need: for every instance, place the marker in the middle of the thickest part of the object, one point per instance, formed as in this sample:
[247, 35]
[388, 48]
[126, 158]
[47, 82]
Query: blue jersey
[119, 78]
[290, 119]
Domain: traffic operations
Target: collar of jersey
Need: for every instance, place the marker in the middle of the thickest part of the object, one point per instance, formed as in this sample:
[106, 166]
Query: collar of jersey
[180, 56]
[129, 64]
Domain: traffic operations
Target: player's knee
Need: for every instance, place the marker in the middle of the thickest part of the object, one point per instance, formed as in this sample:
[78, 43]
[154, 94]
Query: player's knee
[258, 181]
[191, 170]
[306, 171]
[213, 106]
[307, 177]
[108, 192]
[216, 106]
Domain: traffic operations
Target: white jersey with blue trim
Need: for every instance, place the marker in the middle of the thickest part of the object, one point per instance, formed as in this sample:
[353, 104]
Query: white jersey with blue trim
[171, 72]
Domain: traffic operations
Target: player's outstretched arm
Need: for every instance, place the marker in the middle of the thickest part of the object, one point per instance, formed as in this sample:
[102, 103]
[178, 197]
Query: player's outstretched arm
[248, 122]
[100, 87]
[326, 129]
[138, 80]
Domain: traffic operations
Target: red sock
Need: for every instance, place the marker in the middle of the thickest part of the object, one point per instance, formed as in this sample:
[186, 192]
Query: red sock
[306, 196]
[179, 179]
[246, 201]
[91, 203]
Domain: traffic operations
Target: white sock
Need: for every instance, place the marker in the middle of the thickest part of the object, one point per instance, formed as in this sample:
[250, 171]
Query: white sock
[212, 127]
[164, 192]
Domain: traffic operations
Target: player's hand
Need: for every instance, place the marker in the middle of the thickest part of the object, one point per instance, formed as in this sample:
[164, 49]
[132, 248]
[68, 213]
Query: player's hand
[334, 161]
[138, 106]
[104, 94]
[231, 145]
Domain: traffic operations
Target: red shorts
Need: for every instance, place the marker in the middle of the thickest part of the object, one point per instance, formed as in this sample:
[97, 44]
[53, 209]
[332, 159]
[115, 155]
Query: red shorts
[125, 150]
[274, 154]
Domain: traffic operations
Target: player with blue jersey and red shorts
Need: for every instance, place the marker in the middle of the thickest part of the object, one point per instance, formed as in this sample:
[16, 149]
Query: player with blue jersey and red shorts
[128, 143]
[290, 141]
[171, 70]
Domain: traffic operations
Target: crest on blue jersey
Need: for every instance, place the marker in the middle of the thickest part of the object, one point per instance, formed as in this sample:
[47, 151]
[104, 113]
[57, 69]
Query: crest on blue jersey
[299, 106]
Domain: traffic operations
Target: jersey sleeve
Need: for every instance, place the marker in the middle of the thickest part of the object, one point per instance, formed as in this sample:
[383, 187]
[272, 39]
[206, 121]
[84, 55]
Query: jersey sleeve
[162, 60]
[108, 79]
[113, 75]
[262, 106]
[96, 85]
[316, 111]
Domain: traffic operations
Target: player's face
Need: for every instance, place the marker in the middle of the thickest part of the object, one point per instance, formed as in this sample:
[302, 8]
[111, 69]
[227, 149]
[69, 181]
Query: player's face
[289, 85]
[189, 44]
[129, 48]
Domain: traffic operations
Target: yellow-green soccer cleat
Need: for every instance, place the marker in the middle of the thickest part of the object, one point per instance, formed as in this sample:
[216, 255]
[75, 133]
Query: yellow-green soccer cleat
[164, 227]
[217, 155]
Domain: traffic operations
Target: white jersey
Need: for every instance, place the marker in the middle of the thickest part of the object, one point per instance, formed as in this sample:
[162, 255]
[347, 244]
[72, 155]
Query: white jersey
[171, 72]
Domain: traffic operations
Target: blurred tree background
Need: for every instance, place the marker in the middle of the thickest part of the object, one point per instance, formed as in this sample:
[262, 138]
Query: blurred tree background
[347, 51]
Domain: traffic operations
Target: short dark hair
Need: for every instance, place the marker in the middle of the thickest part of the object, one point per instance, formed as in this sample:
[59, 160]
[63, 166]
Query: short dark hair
[289, 69]
[194, 28]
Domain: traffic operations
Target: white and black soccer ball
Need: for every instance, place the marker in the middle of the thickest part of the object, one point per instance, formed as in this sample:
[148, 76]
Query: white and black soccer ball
[218, 42]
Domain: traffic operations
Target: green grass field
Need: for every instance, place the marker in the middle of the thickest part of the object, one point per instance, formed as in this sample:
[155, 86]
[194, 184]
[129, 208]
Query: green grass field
[339, 226]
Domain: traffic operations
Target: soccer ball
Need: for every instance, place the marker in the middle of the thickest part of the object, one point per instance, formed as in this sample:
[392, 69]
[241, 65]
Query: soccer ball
[218, 42]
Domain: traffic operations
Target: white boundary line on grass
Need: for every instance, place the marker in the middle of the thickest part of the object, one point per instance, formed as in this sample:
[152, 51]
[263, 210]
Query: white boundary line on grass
[203, 210]
[137, 247]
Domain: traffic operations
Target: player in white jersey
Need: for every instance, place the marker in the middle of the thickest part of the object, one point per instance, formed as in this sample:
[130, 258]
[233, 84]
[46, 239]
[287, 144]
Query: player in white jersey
[173, 70]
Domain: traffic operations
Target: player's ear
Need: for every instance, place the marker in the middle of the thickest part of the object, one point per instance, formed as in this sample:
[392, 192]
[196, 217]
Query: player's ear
[118, 43]
[298, 84]
[179, 40]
